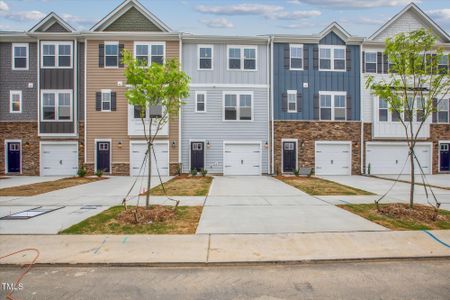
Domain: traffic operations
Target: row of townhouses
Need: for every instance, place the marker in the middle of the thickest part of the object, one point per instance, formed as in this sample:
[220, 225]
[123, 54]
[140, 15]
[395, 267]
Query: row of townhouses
[257, 105]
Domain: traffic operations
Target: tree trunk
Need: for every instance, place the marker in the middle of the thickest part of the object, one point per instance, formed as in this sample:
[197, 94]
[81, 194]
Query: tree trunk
[411, 190]
[149, 179]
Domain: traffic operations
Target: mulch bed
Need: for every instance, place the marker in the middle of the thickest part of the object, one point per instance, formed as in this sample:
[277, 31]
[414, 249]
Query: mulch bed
[419, 212]
[140, 215]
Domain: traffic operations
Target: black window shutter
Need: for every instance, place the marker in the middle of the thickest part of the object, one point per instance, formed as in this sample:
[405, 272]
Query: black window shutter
[287, 57]
[316, 106]
[385, 64]
[113, 101]
[121, 47]
[284, 105]
[305, 58]
[364, 62]
[316, 57]
[379, 62]
[434, 117]
[101, 55]
[349, 107]
[299, 102]
[98, 101]
[348, 57]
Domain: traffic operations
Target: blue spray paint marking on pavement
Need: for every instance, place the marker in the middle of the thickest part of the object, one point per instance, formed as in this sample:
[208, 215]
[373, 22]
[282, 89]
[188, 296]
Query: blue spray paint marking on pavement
[125, 239]
[436, 239]
[96, 250]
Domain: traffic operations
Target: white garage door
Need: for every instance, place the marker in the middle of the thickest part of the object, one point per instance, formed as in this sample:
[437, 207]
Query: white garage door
[242, 159]
[138, 154]
[59, 159]
[390, 158]
[333, 158]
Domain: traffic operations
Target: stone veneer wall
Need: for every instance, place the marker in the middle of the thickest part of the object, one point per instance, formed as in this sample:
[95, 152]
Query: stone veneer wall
[309, 132]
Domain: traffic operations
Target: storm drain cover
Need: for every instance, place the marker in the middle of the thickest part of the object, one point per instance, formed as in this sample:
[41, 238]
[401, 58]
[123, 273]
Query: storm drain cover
[30, 213]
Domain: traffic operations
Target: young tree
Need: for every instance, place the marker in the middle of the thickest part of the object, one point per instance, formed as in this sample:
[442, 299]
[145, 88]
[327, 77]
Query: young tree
[417, 82]
[156, 90]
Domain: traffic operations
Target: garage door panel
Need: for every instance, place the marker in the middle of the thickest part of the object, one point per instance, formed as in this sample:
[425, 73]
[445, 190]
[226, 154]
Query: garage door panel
[59, 159]
[138, 154]
[242, 159]
[333, 159]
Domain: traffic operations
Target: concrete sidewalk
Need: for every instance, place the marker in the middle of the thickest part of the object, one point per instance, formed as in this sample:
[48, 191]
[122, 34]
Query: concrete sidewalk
[210, 249]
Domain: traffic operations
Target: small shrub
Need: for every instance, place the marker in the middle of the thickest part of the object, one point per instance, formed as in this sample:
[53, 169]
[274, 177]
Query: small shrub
[296, 172]
[178, 170]
[194, 172]
[82, 171]
[204, 172]
[99, 173]
[311, 172]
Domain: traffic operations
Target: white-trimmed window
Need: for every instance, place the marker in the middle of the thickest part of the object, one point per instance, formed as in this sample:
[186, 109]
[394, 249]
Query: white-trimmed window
[205, 57]
[442, 113]
[154, 112]
[20, 56]
[332, 58]
[238, 106]
[149, 53]
[15, 101]
[292, 101]
[296, 57]
[111, 54]
[106, 100]
[56, 105]
[443, 63]
[371, 62]
[56, 55]
[200, 101]
[242, 58]
[383, 110]
[333, 106]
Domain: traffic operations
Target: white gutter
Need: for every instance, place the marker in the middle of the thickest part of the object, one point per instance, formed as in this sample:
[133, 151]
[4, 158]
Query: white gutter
[361, 107]
[269, 141]
[271, 107]
[85, 101]
[180, 54]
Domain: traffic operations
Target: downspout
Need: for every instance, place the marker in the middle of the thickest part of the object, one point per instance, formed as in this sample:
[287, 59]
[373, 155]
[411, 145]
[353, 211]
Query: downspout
[271, 107]
[268, 141]
[180, 45]
[361, 106]
[85, 100]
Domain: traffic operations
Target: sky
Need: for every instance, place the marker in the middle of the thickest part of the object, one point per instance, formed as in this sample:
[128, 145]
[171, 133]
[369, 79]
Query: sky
[229, 17]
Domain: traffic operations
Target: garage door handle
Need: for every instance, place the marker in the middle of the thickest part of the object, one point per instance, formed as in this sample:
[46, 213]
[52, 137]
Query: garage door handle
[227, 166]
[256, 166]
[60, 161]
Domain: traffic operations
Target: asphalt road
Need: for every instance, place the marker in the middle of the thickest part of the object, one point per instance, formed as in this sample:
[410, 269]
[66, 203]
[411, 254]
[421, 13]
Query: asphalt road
[422, 279]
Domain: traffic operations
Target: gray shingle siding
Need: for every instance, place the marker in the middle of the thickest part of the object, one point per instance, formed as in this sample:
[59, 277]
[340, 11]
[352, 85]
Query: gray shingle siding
[18, 80]
[132, 20]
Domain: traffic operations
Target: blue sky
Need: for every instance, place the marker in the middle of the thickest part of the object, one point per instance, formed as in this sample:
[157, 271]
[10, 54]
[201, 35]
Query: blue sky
[229, 17]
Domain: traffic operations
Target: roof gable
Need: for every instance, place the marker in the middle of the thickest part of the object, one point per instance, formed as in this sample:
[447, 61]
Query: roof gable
[335, 30]
[409, 19]
[131, 16]
[52, 23]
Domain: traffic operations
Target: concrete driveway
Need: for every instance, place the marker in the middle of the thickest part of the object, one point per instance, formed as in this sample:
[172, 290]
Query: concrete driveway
[263, 204]
[11, 181]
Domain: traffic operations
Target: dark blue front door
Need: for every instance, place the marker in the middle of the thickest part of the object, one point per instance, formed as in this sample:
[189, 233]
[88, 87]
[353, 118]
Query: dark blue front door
[103, 156]
[197, 155]
[289, 157]
[13, 157]
[445, 157]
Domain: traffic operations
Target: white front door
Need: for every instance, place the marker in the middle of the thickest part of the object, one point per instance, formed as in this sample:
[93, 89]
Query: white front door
[137, 156]
[386, 158]
[242, 159]
[59, 159]
[333, 158]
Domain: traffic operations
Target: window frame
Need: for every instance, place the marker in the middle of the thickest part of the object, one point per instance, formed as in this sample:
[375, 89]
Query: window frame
[440, 111]
[333, 107]
[56, 105]
[149, 54]
[109, 43]
[198, 57]
[13, 56]
[292, 92]
[242, 58]
[104, 92]
[332, 59]
[290, 57]
[238, 95]
[365, 61]
[11, 94]
[56, 44]
[204, 101]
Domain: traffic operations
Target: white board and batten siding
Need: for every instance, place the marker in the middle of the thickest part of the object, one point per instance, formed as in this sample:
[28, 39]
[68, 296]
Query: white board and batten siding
[333, 158]
[59, 158]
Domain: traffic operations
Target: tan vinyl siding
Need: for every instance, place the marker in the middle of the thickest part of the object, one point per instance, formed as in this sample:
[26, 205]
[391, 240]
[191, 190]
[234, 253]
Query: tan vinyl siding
[114, 125]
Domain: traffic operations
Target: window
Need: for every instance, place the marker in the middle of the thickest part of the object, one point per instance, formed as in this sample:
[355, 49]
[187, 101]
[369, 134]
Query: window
[296, 57]
[241, 58]
[15, 100]
[383, 110]
[443, 64]
[333, 106]
[442, 111]
[56, 105]
[20, 56]
[205, 54]
[56, 54]
[106, 100]
[149, 53]
[103, 146]
[332, 58]
[420, 103]
[371, 62]
[238, 107]
[154, 111]
[200, 102]
[197, 146]
[292, 101]
[111, 54]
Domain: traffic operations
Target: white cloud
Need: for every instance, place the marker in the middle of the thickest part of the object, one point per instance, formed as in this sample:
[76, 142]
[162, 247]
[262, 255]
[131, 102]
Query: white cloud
[32, 15]
[294, 1]
[218, 23]
[441, 15]
[355, 3]
[77, 20]
[297, 14]
[4, 6]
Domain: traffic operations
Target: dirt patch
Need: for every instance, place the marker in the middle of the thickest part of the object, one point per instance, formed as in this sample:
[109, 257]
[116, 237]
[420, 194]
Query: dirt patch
[184, 186]
[141, 215]
[48, 186]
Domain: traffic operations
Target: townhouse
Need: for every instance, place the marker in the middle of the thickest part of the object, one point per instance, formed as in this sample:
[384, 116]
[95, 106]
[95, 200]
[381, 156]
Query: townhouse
[384, 138]
[225, 121]
[316, 102]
